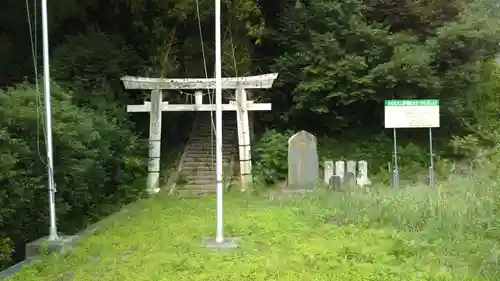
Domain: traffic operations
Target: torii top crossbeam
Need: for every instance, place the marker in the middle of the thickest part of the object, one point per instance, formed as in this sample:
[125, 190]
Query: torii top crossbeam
[249, 82]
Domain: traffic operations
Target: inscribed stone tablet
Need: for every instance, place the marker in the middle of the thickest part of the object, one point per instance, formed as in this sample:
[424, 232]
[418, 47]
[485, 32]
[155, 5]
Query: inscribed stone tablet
[303, 167]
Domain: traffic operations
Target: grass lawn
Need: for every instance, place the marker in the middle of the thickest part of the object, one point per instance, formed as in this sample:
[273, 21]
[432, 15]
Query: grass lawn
[407, 235]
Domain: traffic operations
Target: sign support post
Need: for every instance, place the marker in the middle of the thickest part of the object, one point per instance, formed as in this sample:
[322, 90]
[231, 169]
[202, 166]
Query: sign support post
[395, 172]
[431, 167]
[412, 114]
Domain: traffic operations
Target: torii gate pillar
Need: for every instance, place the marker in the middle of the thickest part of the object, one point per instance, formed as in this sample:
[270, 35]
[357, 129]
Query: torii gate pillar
[244, 139]
[153, 182]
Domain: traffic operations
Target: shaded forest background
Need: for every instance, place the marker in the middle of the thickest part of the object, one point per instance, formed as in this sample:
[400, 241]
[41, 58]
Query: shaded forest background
[337, 61]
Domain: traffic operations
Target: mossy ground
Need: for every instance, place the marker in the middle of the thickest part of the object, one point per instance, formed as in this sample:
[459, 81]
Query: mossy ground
[414, 234]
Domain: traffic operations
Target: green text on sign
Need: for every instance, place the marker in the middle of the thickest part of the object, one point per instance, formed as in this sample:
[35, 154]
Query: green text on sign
[411, 103]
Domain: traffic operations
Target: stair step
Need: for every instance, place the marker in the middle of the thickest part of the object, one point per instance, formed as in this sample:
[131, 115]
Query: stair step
[198, 179]
[208, 147]
[225, 133]
[208, 141]
[193, 193]
[209, 186]
[201, 174]
[201, 153]
[207, 136]
[208, 152]
[209, 129]
[196, 166]
[193, 175]
[205, 183]
[207, 119]
[205, 160]
[191, 168]
[212, 141]
[225, 125]
[206, 155]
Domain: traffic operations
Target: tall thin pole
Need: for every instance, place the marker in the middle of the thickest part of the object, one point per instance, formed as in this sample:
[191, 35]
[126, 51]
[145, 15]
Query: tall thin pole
[219, 238]
[431, 167]
[395, 177]
[48, 123]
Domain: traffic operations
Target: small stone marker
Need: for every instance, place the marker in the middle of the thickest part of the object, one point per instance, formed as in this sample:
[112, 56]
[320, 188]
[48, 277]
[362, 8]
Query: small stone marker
[334, 183]
[340, 170]
[362, 179]
[351, 172]
[328, 171]
[303, 166]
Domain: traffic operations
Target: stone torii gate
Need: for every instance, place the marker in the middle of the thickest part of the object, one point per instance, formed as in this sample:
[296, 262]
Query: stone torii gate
[241, 105]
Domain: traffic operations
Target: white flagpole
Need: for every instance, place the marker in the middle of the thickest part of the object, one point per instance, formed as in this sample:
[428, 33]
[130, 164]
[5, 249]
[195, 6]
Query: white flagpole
[48, 123]
[219, 238]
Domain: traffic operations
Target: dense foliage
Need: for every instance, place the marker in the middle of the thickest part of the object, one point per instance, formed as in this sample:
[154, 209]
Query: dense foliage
[95, 164]
[91, 64]
[341, 59]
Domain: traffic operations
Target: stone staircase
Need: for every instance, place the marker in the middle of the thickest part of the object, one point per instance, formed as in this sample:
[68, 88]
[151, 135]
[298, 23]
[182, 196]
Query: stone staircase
[197, 166]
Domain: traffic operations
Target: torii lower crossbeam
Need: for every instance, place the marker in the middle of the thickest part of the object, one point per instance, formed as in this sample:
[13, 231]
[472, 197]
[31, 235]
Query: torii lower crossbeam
[165, 106]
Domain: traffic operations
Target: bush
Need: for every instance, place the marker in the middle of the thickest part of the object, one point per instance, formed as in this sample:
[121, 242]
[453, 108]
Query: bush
[95, 162]
[270, 156]
[5, 251]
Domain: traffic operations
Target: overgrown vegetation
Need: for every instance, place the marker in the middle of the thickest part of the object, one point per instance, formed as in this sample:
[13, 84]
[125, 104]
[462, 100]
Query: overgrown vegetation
[91, 64]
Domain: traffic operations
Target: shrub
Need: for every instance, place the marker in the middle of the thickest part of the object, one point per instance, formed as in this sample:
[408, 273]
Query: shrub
[270, 156]
[5, 251]
[95, 162]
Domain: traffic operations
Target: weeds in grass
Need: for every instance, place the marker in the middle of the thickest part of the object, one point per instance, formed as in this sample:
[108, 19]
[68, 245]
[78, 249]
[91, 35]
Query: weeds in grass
[446, 233]
[460, 220]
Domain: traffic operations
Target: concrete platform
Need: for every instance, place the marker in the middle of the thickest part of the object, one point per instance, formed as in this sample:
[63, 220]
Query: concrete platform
[44, 246]
[229, 243]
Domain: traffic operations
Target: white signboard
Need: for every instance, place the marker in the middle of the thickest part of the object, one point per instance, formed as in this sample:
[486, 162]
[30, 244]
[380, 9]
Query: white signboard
[411, 113]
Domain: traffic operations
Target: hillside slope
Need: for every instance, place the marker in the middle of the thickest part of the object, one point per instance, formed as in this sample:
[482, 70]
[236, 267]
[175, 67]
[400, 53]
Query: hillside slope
[159, 239]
